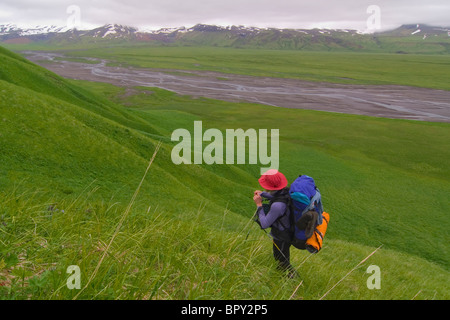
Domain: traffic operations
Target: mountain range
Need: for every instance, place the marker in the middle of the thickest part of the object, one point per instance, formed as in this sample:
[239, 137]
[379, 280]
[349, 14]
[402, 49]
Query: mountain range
[416, 37]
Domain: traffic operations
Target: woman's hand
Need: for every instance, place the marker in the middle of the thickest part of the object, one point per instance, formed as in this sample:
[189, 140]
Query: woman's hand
[258, 200]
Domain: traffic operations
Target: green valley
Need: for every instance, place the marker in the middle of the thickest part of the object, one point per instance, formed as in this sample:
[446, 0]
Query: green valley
[73, 154]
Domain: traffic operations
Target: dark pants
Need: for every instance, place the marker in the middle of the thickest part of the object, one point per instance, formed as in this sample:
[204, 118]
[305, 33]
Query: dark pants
[282, 255]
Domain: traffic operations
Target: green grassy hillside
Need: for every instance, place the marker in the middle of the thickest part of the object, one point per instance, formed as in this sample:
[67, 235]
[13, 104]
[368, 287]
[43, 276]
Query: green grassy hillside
[73, 155]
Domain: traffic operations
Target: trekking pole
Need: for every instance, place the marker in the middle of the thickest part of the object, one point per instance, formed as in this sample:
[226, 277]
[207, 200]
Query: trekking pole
[254, 215]
[273, 241]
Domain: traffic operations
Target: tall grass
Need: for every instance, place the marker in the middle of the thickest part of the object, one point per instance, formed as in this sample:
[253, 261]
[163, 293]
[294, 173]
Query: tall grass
[156, 256]
[152, 257]
[122, 220]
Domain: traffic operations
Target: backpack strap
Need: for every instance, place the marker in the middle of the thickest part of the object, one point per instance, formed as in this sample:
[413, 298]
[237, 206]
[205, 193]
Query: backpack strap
[315, 204]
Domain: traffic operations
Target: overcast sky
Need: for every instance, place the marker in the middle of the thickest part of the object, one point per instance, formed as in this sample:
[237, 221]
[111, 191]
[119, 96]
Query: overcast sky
[154, 14]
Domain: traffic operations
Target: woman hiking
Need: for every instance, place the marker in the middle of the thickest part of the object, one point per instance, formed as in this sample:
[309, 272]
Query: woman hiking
[276, 216]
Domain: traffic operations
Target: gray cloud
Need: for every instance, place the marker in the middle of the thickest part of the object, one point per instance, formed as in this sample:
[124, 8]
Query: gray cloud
[264, 13]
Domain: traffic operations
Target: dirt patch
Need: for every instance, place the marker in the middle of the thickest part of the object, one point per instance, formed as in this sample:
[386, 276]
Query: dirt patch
[18, 41]
[387, 101]
[129, 92]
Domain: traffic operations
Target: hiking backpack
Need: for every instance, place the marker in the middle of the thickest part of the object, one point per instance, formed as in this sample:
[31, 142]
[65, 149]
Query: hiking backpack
[307, 216]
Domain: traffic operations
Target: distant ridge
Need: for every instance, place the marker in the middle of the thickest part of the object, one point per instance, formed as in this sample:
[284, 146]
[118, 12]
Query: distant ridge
[414, 38]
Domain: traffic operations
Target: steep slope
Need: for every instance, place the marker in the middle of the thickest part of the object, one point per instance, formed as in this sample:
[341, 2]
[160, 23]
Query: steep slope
[19, 71]
[60, 135]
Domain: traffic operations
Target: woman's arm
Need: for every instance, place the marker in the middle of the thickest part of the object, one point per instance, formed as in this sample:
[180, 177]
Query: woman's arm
[276, 210]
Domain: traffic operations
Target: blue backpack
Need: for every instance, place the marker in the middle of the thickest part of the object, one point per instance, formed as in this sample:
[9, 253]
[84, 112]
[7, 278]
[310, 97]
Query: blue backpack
[305, 197]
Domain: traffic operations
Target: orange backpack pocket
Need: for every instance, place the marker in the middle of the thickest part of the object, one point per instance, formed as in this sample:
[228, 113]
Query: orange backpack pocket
[314, 243]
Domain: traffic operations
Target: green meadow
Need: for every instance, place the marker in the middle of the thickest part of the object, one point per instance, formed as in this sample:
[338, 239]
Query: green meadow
[74, 188]
[430, 71]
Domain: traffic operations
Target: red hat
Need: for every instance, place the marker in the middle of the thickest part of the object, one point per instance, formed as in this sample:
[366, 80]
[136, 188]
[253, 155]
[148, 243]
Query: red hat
[273, 180]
